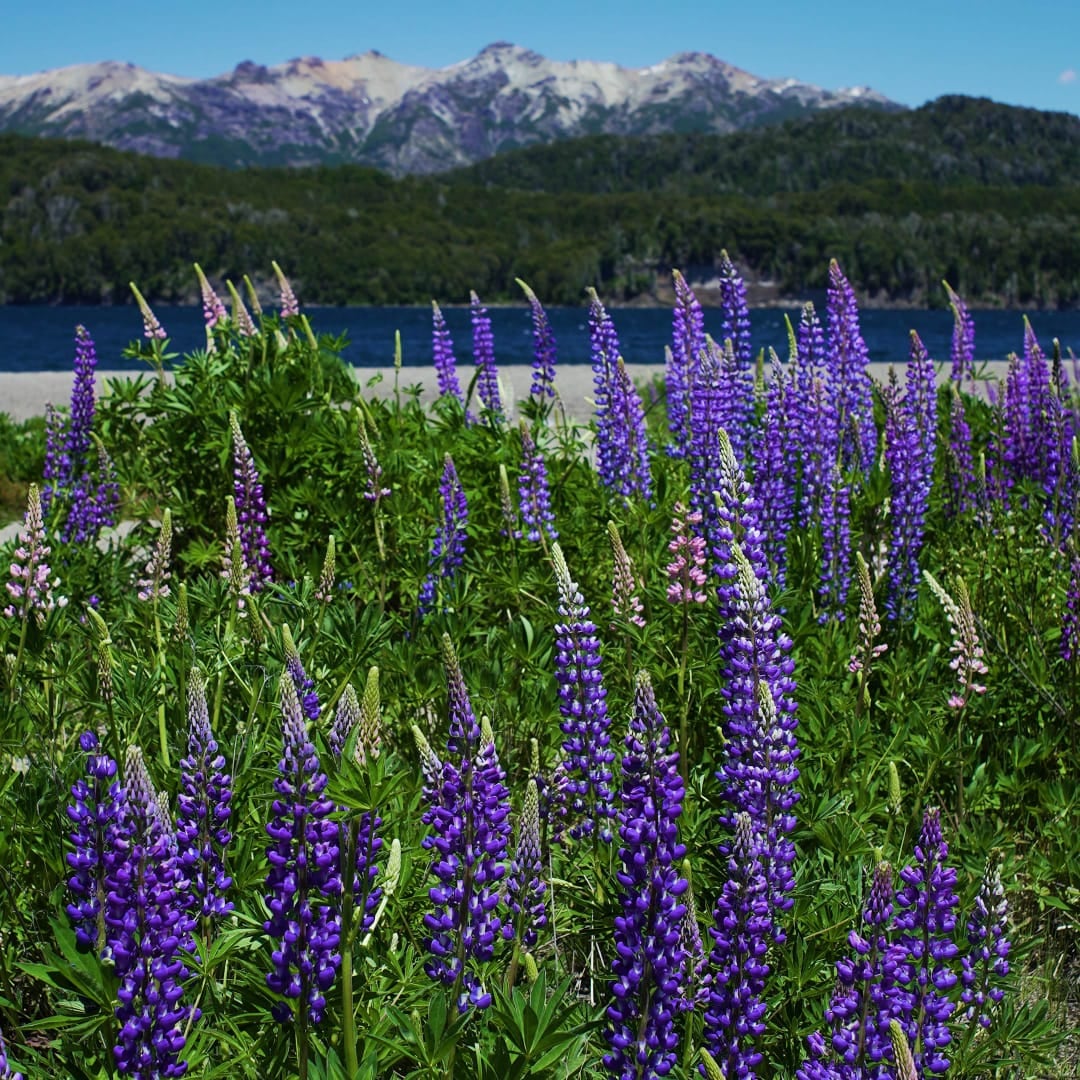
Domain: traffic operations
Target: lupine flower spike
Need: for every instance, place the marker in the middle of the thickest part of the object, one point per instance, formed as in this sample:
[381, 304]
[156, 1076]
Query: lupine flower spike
[525, 885]
[152, 329]
[967, 652]
[304, 879]
[650, 961]
[214, 313]
[325, 589]
[625, 584]
[545, 351]
[535, 497]
[30, 589]
[202, 817]
[986, 963]
[155, 586]
[686, 571]
[487, 374]
[289, 305]
[448, 548]
[240, 314]
[251, 511]
[866, 652]
[585, 769]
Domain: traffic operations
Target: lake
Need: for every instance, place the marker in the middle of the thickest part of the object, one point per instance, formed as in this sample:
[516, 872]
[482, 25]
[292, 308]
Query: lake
[41, 338]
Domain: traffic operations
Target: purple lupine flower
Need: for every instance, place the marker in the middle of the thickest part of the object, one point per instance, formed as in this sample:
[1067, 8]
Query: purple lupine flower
[686, 571]
[152, 328]
[586, 762]
[373, 487]
[57, 471]
[30, 589]
[635, 474]
[155, 585]
[448, 548]
[92, 501]
[923, 949]
[5, 1068]
[97, 814]
[735, 1015]
[202, 815]
[289, 304]
[624, 584]
[737, 373]
[442, 354]
[850, 385]
[858, 1043]
[963, 483]
[775, 451]
[483, 342]
[545, 350]
[536, 512]
[302, 682]
[525, 885]
[963, 339]
[214, 313]
[698, 979]
[835, 581]
[687, 344]
[361, 840]
[758, 770]
[814, 418]
[987, 961]
[650, 962]
[469, 815]
[910, 435]
[251, 511]
[706, 407]
[81, 422]
[149, 934]
[304, 880]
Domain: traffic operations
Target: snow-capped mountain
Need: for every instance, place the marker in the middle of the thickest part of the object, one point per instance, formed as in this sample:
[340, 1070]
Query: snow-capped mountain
[373, 110]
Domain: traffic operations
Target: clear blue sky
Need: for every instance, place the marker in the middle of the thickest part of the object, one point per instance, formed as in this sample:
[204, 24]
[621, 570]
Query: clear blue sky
[911, 50]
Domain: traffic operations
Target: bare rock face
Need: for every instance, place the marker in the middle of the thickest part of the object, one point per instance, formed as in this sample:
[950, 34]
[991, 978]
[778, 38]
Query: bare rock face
[369, 109]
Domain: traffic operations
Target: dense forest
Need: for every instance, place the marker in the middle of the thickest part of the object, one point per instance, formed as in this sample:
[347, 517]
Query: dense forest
[984, 195]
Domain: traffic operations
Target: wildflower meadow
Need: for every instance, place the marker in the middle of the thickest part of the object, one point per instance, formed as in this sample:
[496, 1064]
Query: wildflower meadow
[730, 734]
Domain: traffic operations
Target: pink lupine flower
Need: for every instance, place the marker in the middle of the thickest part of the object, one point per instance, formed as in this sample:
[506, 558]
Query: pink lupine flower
[289, 304]
[624, 584]
[29, 587]
[686, 572]
[967, 652]
[152, 329]
[155, 585]
[869, 623]
[213, 309]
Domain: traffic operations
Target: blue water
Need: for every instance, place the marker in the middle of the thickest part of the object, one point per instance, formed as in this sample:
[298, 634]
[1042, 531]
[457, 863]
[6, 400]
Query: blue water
[41, 338]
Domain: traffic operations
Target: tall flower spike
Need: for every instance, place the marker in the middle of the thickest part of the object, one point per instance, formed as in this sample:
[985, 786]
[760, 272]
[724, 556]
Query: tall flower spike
[442, 354]
[869, 624]
[545, 351]
[735, 1016]
[324, 592]
[487, 374]
[152, 329]
[448, 548]
[202, 817]
[373, 488]
[650, 961]
[963, 338]
[535, 497]
[468, 815]
[687, 344]
[923, 951]
[30, 589]
[304, 880]
[155, 586]
[967, 652]
[585, 768]
[289, 305]
[214, 313]
[986, 963]
[624, 583]
[251, 511]
[686, 571]
[506, 506]
[240, 314]
[253, 299]
[525, 885]
[305, 686]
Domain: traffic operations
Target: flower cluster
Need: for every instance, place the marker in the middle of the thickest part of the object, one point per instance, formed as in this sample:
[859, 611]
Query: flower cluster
[585, 768]
[866, 652]
[448, 548]
[533, 491]
[487, 374]
[202, 818]
[545, 350]
[687, 345]
[650, 960]
[525, 885]
[30, 589]
[155, 586]
[738, 369]
[686, 571]
[251, 512]
[442, 354]
[289, 304]
[152, 328]
[963, 339]
[967, 651]
[469, 816]
[987, 961]
[304, 879]
[624, 584]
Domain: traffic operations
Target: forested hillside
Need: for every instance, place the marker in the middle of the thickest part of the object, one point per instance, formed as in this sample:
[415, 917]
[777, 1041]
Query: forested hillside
[980, 194]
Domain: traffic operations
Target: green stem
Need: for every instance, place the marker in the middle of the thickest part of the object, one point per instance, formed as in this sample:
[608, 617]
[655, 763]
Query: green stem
[684, 703]
[18, 657]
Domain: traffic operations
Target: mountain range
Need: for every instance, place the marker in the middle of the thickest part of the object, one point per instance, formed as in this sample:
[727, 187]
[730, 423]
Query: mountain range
[369, 109]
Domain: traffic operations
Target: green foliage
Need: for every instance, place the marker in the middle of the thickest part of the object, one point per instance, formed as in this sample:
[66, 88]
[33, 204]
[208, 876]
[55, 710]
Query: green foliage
[1004, 771]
